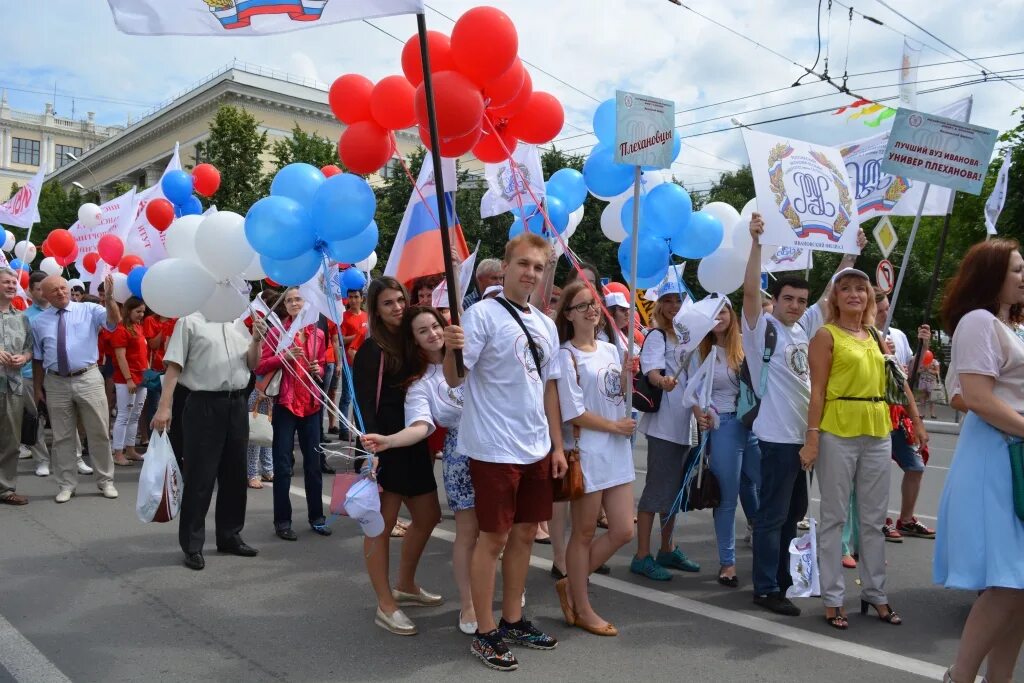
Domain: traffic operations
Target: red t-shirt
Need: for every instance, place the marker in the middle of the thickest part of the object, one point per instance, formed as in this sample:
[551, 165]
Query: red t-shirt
[332, 332]
[353, 324]
[152, 327]
[103, 342]
[136, 353]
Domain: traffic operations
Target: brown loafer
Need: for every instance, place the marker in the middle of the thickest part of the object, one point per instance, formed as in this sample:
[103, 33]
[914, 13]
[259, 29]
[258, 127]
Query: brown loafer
[562, 588]
[14, 499]
[606, 630]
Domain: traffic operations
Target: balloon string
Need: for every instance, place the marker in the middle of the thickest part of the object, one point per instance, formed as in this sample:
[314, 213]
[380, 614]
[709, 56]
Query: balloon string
[332, 303]
[416, 188]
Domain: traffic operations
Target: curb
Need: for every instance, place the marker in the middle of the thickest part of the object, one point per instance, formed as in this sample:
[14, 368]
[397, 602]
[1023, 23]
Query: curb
[942, 427]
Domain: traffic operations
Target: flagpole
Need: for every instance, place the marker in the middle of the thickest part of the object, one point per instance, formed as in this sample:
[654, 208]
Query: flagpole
[632, 285]
[442, 204]
[906, 258]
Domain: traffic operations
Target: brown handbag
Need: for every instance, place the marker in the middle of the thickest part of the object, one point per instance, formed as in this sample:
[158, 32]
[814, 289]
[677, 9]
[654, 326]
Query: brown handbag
[571, 487]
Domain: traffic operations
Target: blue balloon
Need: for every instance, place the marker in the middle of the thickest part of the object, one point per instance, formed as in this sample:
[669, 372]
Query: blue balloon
[356, 248]
[558, 213]
[177, 187]
[568, 185]
[352, 279]
[18, 264]
[669, 208]
[626, 216]
[652, 256]
[524, 212]
[134, 282]
[516, 229]
[192, 207]
[652, 281]
[604, 122]
[297, 181]
[292, 272]
[279, 228]
[342, 208]
[701, 236]
[677, 145]
[603, 176]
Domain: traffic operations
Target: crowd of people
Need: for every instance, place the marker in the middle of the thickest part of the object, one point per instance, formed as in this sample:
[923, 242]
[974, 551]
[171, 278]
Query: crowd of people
[532, 380]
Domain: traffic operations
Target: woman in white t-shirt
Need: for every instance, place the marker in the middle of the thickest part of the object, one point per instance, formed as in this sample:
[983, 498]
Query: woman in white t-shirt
[668, 442]
[431, 403]
[734, 457]
[591, 397]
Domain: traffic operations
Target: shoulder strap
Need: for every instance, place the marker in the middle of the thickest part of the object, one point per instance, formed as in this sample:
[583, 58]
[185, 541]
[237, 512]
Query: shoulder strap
[575, 427]
[771, 340]
[380, 378]
[652, 331]
[878, 339]
[529, 337]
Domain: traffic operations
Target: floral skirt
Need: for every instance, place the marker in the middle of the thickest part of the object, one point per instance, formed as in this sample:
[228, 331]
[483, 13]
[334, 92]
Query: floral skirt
[458, 488]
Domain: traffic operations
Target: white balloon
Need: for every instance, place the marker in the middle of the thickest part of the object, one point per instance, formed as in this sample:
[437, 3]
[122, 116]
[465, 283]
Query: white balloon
[575, 218]
[176, 287]
[26, 251]
[9, 240]
[728, 216]
[254, 271]
[50, 266]
[121, 291]
[89, 215]
[611, 221]
[224, 305]
[722, 271]
[75, 282]
[368, 264]
[180, 239]
[221, 245]
[750, 207]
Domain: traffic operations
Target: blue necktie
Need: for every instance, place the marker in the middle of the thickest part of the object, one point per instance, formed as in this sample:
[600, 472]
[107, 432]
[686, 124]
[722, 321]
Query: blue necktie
[63, 365]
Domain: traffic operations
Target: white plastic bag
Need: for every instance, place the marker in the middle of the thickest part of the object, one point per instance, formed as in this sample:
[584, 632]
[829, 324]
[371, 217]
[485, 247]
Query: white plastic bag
[803, 564]
[160, 482]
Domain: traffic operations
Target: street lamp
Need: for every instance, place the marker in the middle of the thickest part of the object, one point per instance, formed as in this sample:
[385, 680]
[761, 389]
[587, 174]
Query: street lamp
[79, 185]
[737, 122]
[71, 156]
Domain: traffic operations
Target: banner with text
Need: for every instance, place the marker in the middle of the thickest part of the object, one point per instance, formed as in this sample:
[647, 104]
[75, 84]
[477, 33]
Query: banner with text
[643, 130]
[115, 216]
[783, 259]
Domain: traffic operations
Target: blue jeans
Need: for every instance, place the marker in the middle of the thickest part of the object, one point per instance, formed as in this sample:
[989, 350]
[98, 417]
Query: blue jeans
[736, 463]
[346, 398]
[783, 503]
[286, 426]
[329, 369]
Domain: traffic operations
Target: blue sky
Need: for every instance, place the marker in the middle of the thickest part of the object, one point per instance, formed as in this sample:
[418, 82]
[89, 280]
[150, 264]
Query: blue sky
[650, 46]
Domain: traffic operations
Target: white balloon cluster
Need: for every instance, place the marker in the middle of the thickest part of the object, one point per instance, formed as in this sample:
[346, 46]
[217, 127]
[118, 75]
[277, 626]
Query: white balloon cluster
[9, 240]
[208, 261]
[723, 270]
[26, 251]
[89, 215]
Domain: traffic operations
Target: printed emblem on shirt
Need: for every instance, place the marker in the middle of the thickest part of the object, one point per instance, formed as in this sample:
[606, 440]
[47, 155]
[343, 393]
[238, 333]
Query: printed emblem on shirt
[610, 383]
[796, 358]
[452, 397]
[683, 332]
[525, 356]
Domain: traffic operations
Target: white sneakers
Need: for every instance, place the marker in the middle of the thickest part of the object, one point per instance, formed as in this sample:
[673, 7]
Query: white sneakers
[108, 490]
[42, 470]
[467, 627]
[24, 453]
[64, 495]
[396, 622]
[82, 467]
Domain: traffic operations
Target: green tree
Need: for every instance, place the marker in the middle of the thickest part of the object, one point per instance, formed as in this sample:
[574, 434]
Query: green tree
[309, 148]
[235, 147]
[735, 188]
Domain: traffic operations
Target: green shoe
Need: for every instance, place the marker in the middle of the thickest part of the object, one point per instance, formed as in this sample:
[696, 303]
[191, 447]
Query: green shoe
[649, 568]
[677, 560]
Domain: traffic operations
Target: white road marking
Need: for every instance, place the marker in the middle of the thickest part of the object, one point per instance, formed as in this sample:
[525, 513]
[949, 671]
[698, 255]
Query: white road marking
[768, 627]
[23, 660]
[896, 513]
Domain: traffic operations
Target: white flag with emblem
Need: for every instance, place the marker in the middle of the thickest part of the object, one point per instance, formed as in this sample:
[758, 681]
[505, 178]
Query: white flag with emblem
[908, 75]
[507, 187]
[994, 205]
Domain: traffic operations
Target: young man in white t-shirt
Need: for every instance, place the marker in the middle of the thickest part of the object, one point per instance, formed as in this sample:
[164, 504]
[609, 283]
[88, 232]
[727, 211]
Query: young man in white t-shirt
[781, 422]
[511, 431]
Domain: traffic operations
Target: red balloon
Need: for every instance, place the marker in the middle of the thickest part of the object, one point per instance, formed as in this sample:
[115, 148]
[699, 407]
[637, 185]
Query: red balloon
[128, 262]
[928, 358]
[59, 242]
[350, 98]
[329, 170]
[270, 282]
[45, 248]
[23, 278]
[484, 43]
[90, 261]
[65, 261]
[440, 48]
[453, 147]
[19, 303]
[160, 212]
[364, 147]
[540, 121]
[516, 104]
[505, 87]
[392, 103]
[111, 249]
[457, 102]
[205, 180]
[490, 151]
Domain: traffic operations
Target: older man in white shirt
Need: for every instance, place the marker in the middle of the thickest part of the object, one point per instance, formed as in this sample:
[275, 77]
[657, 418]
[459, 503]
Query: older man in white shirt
[15, 351]
[67, 378]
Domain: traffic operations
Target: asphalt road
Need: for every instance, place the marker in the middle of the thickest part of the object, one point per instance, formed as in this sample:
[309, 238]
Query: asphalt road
[88, 593]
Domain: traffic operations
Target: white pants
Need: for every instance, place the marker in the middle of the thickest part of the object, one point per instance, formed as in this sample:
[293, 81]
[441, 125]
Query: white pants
[129, 408]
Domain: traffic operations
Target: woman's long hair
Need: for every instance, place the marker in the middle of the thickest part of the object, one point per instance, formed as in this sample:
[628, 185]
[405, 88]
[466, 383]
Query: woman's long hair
[565, 328]
[867, 318]
[978, 282]
[130, 304]
[662, 322]
[733, 342]
[391, 343]
[416, 361]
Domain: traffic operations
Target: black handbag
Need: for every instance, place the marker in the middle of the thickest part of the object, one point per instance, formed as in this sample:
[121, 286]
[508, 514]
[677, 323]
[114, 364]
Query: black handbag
[646, 396]
[703, 491]
[29, 428]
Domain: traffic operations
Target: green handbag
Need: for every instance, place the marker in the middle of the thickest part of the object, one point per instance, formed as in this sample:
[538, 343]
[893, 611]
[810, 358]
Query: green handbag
[1016, 446]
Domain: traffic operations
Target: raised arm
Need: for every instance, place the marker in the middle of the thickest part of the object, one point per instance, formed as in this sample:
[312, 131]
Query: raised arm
[752, 276]
[848, 261]
[113, 309]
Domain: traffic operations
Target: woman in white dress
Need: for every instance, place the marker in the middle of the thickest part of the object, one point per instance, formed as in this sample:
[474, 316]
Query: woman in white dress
[590, 393]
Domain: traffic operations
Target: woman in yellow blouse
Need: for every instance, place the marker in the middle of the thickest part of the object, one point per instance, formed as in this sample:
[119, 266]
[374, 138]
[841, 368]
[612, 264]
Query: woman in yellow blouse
[848, 428]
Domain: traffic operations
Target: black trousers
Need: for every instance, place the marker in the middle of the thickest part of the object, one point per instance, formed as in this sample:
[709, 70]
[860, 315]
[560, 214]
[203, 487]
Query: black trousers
[215, 439]
[176, 433]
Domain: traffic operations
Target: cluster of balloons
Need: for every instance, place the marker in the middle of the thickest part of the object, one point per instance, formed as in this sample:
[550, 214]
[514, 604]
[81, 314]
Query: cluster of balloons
[307, 217]
[483, 97]
[178, 187]
[722, 271]
[564, 194]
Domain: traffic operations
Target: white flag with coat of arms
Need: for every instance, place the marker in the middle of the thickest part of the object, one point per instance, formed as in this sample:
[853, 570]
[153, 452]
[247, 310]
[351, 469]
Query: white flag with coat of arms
[507, 187]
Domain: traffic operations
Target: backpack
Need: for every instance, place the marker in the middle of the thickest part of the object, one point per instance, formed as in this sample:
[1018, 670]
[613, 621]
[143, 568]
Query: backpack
[748, 402]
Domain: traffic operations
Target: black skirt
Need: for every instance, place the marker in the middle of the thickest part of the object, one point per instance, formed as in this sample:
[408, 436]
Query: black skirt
[406, 472]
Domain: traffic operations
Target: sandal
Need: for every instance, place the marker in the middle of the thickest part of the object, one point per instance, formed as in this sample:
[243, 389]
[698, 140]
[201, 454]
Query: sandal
[267, 477]
[255, 483]
[729, 581]
[891, 616]
[602, 522]
[398, 531]
[838, 620]
[121, 461]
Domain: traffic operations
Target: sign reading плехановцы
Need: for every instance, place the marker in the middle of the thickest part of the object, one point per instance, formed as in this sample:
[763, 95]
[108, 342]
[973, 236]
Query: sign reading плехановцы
[643, 130]
[938, 150]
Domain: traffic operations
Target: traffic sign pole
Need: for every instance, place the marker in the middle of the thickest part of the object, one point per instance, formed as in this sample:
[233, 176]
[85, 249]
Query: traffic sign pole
[906, 259]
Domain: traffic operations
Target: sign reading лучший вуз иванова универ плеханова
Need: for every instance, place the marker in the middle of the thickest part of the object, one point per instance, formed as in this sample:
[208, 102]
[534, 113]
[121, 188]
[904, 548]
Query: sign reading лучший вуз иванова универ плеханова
[643, 130]
[938, 150]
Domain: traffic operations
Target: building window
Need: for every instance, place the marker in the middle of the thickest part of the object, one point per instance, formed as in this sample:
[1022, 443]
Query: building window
[25, 151]
[62, 154]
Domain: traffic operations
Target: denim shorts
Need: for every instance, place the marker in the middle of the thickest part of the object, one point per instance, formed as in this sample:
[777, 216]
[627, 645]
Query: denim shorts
[908, 457]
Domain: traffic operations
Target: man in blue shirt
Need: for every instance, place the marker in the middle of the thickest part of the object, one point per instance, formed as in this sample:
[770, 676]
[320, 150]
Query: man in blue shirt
[66, 377]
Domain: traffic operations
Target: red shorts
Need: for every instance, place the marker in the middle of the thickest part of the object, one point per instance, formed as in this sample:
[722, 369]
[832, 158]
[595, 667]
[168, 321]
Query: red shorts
[511, 494]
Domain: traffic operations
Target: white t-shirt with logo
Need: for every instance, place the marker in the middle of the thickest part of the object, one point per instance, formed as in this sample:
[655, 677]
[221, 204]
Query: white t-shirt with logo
[503, 419]
[904, 354]
[606, 458]
[429, 399]
[672, 421]
[783, 414]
